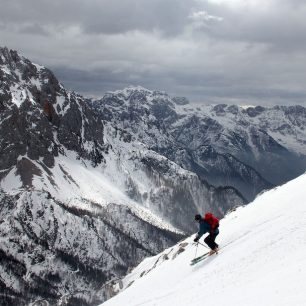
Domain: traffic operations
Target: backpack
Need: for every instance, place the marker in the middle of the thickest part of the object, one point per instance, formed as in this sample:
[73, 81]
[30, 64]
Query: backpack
[212, 220]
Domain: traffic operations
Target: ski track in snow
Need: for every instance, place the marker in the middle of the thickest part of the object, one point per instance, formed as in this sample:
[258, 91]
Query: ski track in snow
[262, 261]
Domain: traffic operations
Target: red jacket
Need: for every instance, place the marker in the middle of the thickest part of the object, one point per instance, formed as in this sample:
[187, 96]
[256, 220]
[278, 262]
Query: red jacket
[212, 220]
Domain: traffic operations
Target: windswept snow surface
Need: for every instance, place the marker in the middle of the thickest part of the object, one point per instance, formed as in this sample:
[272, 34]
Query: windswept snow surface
[261, 261]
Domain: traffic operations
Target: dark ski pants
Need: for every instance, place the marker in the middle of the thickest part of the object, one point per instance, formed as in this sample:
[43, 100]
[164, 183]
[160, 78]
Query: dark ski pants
[210, 241]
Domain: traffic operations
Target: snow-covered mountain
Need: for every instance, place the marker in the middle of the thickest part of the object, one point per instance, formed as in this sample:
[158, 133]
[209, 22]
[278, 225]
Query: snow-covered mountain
[90, 188]
[248, 148]
[52, 139]
[261, 260]
[82, 201]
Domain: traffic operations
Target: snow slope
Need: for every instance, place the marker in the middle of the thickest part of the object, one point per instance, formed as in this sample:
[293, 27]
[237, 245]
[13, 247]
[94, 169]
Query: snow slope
[262, 261]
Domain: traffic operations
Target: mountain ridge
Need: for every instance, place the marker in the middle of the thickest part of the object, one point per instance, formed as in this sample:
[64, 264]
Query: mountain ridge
[215, 141]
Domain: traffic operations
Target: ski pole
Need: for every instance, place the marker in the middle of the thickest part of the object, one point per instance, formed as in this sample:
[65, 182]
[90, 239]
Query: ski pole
[203, 245]
[196, 250]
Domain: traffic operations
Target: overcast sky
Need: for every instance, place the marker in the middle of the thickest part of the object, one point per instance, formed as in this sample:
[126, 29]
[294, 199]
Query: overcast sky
[211, 51]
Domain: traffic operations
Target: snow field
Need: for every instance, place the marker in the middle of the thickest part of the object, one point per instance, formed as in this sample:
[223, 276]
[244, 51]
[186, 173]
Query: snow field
[261, 262]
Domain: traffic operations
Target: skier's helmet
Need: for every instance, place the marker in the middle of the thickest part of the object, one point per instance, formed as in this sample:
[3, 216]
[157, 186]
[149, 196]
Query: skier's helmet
[197, 217]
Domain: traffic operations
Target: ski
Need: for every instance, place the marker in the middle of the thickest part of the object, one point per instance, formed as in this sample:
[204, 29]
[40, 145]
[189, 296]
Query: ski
[202, 257]
[197, 259]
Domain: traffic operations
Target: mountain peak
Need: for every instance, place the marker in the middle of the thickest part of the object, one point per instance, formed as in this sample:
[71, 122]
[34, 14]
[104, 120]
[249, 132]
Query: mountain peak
[4, 51]
[138, 92]
[11, 58]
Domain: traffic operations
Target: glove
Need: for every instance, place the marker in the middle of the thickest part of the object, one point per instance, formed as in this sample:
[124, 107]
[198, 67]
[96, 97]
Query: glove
[196, 239]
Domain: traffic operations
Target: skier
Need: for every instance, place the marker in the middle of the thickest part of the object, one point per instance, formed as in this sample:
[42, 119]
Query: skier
[208, 224]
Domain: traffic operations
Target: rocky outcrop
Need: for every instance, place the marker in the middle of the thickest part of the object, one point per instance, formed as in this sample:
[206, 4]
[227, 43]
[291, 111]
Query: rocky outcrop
[39, 118]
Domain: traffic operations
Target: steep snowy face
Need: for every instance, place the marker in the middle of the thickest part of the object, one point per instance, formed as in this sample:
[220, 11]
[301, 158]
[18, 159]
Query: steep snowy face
[249, 149]
[261, 260]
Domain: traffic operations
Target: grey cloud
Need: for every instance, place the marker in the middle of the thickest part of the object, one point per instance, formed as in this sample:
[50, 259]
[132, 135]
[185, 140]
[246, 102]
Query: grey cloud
[167, 16]
[87, 83]
[33, 28]
[281, 27]
[195, 48]
[200, 87]
[101, 16]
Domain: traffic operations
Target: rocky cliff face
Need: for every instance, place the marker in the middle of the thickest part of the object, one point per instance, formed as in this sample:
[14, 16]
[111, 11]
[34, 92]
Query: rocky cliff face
[82, 199]
[39, 118]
